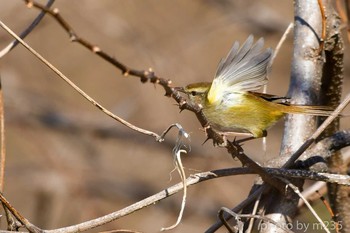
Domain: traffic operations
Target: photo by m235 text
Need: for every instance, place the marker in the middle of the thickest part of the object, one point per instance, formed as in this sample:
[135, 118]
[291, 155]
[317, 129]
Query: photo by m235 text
[305, 226]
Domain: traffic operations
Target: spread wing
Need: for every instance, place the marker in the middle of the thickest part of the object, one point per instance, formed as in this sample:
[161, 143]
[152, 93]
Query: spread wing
[244, 69]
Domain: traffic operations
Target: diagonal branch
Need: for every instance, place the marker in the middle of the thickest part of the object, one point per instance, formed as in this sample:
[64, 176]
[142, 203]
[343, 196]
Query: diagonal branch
[80, 91]
[27, 31]
[30, 227]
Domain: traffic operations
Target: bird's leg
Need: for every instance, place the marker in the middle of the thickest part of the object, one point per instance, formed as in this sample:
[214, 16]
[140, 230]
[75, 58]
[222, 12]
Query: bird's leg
[243, 140]
[264, 134]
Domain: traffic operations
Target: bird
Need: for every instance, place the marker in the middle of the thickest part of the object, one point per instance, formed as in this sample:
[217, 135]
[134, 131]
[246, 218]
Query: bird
[231, 103]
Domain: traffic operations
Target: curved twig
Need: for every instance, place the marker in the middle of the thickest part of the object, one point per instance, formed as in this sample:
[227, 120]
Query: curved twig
[251, 216]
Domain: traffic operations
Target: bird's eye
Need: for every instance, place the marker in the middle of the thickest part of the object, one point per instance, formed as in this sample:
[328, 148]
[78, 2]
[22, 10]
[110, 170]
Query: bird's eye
[193, 93]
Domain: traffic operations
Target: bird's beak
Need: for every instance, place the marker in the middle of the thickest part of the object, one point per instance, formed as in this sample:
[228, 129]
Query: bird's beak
[180, 89]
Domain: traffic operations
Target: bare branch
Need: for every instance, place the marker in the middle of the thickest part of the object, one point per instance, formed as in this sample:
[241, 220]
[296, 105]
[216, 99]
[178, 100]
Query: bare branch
[11, 222]
[30, 227]
[76, 88]
[2, 141]
[281, 41]
[27, 31]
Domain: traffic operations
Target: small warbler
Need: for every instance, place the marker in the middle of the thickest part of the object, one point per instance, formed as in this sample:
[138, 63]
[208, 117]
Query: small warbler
[230, 104]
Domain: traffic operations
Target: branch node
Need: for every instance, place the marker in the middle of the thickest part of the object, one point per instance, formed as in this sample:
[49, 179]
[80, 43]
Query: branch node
[125, 73]
[155, 80]
[29, 4]
[72, 37]
[143, 79]
[96, 49]
[55, 11]
[182, 104]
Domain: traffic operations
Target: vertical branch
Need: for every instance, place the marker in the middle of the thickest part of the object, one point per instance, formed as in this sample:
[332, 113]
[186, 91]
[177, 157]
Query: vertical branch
[323, 34]
[304, 89]
[305, 80]
[2, 141]
[332, 88]
[12, 224]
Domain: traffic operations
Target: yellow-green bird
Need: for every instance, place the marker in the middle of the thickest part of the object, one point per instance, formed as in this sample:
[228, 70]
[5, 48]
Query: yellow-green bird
[230, 104]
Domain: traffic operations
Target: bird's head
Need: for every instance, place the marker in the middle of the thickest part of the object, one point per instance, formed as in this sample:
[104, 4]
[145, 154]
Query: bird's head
[197, 92]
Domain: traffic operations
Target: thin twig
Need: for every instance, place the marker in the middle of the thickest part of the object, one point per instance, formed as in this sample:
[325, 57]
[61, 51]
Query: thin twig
[30, 227]
[144, 75]
[179, 148]
[239, 216]
[12, 224]
[341, 11]
[281, 41]
[180, 169]
[309, 192]
[251, 221]
[10, 220]
[274, 55]
[319, 185]
[2, 140]
[326, 203]
[330, 211]
[253, 196]
[296, 190]
[240, 225]
[237, 151]
[28, 30]
[318, 132]
[347, 9]
[323, 20]
[76, 88]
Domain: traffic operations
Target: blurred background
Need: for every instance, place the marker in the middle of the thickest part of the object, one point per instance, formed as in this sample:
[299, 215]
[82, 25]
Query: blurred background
[67, 162]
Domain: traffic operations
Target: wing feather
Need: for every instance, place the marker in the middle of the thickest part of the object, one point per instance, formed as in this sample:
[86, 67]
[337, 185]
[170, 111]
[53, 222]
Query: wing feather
[243, 69]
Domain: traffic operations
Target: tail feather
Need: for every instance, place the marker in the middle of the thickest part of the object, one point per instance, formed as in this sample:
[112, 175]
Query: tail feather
[310, 110]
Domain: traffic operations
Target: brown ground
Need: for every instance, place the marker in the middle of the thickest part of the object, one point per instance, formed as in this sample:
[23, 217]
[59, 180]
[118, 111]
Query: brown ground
[61, 170]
